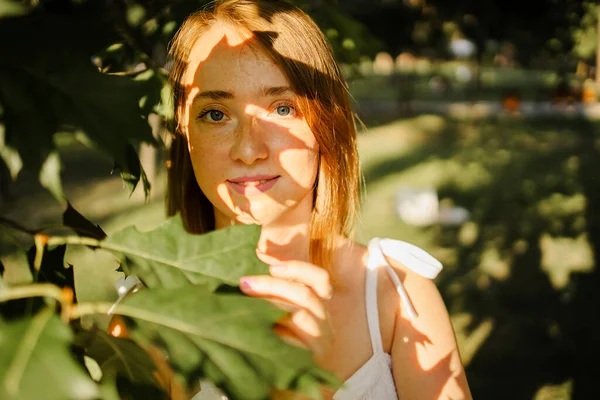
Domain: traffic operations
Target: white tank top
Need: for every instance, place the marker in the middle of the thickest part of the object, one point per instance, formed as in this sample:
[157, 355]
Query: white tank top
[373, 380]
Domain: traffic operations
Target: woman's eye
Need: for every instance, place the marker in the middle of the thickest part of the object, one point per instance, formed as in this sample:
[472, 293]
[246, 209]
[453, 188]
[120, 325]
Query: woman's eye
[212, 116]
[285, 111]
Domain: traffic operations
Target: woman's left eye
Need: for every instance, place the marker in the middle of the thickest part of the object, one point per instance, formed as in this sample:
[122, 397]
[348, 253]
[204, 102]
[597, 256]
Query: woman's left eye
[284, 110]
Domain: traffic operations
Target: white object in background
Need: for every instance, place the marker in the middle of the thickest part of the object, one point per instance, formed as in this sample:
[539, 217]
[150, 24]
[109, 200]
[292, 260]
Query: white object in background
[418, 207]
[462, 48]
[453, 216]
[421, 207]
[125, 287]
[127, 284]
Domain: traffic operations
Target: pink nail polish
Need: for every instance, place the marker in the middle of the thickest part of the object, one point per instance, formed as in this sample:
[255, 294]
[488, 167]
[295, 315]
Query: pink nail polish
[245, 285]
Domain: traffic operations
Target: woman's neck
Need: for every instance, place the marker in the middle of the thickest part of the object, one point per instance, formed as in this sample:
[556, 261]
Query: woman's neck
[282, 239]
[282, 243]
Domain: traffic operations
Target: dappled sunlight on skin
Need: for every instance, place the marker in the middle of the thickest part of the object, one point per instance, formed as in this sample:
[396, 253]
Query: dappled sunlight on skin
[428, 362]
[252, 142]
[274, 252]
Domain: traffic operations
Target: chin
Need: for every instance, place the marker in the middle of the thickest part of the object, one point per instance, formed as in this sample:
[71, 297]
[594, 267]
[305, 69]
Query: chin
[255, 218]
[259, 213]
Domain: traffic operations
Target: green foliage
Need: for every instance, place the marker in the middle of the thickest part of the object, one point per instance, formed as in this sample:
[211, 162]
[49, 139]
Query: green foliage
[585, 34]
[81, 225]
[168, 257]
[119, 356]
[225, 336]
[36, 362]
[203, 329]
[48, 84]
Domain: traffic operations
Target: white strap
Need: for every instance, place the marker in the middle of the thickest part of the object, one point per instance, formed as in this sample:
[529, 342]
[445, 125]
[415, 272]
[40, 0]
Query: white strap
[372, 310]
[410, 256]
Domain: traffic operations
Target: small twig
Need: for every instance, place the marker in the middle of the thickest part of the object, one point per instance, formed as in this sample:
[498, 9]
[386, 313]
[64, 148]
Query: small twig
[46, 290]
[82, 240]
[40, 241]
[79, 310]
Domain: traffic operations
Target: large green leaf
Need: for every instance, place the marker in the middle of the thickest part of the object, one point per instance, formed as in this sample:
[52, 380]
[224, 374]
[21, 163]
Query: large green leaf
[36, 363]
[226, 338]
[171, 257]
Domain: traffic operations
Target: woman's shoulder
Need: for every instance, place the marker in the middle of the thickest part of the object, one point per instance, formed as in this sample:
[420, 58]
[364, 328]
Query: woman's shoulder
[405, 285]
[403, 257]
[405, 271]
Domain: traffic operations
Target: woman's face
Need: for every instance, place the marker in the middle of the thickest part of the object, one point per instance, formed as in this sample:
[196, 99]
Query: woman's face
[253, 154]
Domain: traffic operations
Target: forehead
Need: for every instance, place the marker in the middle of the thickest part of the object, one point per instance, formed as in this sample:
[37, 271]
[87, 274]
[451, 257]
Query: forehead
[224, 56]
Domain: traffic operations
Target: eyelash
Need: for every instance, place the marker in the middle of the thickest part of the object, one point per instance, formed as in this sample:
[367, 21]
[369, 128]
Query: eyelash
[287, 104]
[275, 107]
[207, 111]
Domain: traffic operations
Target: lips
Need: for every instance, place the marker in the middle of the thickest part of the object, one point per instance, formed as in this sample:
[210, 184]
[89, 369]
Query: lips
[253, 185]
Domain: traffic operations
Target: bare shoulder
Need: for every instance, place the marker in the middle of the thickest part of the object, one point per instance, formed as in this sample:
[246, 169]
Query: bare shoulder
[422, 292]
[424, 348]
[351, 260]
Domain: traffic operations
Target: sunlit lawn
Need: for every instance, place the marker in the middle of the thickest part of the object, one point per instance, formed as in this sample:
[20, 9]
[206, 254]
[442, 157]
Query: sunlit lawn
[526, 185]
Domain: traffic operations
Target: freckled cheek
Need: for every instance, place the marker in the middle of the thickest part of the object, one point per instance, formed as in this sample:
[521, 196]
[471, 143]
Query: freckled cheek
[300, 164]
[210, 165]
[211, 175]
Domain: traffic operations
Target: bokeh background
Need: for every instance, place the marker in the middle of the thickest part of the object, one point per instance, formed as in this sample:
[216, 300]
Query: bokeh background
[479, 143]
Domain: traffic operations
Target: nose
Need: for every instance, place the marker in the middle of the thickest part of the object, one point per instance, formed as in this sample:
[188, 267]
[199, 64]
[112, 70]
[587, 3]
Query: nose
[249, 145]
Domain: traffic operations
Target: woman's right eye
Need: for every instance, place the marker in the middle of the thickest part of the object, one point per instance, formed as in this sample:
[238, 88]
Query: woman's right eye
[212, 116]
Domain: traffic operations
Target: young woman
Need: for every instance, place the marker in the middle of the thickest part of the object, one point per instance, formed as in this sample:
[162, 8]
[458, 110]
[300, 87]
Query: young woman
[265, 135]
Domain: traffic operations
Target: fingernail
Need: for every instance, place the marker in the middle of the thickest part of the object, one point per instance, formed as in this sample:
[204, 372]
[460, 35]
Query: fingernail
[275, 269]
[246, 284]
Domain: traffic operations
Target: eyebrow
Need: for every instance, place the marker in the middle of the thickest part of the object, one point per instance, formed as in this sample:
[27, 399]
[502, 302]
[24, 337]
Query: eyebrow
[276, 91]
[267, 91]
[214, 95]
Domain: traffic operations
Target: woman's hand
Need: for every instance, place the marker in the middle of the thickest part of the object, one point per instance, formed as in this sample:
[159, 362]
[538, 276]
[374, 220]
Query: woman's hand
[301, 289]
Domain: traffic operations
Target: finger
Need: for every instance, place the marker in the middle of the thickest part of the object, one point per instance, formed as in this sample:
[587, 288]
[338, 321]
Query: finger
[303, 325]
[284, 305]
[309, 274]
[288, 337]
[293, 292]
